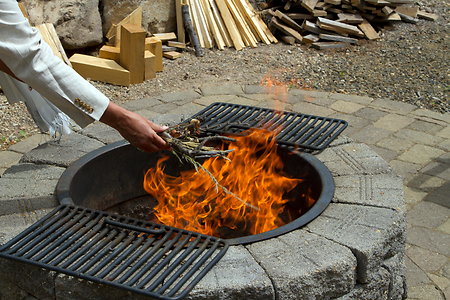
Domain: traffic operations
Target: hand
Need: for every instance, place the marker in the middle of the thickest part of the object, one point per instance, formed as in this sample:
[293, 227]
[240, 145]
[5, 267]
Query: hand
[136, 129]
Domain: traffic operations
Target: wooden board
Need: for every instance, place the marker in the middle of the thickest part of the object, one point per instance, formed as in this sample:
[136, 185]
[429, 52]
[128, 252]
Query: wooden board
[132, 45]
[287, 30]
[172, 55]
[180, 25]
[244, 29]
[167, 36]
[100, 69]
[154, 45]
[135, 17]
[337, 38]
[236, 38]
[368, 30]
[309, 4]
[213, 25]
[150, 67]
[110, 52]
[203, 25]
[220, 23]
[339, 27]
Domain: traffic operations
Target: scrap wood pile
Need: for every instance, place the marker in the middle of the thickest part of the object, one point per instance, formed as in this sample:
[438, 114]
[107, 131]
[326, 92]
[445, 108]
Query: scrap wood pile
[337, 23]
[221, 23]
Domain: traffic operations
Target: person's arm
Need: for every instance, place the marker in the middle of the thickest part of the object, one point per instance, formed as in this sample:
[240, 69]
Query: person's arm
[27, 58]
[136, 129]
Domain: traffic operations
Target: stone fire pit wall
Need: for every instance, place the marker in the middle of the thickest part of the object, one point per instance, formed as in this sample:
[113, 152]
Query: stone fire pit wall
[354, 250]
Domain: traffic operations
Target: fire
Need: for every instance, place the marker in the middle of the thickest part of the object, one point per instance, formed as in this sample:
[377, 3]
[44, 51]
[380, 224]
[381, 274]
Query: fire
[249, 196]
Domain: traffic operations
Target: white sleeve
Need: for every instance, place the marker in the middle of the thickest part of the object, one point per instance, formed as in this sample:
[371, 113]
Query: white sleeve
[32, 61]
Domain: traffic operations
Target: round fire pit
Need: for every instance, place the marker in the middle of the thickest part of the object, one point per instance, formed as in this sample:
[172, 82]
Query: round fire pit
[111, 179]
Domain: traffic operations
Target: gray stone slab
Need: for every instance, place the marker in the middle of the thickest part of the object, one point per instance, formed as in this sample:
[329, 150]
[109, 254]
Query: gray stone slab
[30, 143]
[223, 89]
[386, 154]
[236, 276]
[440, 195]
[305, 266]
[352, 98]
[427, 127]
[27, 187]
[145, 103]
[180, 97]
[370, 113]
[102, 133]
[438, 168]
[352, 120]
[376, 289]
[254, 89]
[390, 106]
[381, 190]
[427, 214]
[187, 110]
[9, 158]
[414, 275]
[432, 240]
[432, 114]
[208, 100]
[370, 134]
[426, 260]
[70, 148]
[312, 109]
[371, 233]
[419, 137]
[353, 159]
[317, 97]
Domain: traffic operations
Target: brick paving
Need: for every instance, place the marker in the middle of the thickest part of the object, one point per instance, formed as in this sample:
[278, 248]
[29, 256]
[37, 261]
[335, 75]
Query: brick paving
[415, 142]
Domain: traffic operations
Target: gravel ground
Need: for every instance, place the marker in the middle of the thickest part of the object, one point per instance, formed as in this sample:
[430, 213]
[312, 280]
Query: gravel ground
[410, 63]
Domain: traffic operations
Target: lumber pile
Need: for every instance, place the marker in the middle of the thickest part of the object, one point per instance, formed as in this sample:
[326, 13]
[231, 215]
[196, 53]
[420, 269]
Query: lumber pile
[222, 23]
[337, 23]
[131, 55]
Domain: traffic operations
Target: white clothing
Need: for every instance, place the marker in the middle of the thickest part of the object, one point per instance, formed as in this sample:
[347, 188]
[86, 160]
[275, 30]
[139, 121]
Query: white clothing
[33, 62]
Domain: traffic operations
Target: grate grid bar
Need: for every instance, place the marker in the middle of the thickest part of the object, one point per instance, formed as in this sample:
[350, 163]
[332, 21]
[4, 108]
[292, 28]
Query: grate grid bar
[300, 131]
[151, 259]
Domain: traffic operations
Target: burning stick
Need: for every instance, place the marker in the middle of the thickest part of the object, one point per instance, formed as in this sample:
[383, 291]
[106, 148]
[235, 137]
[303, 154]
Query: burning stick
[187, 146]
[185, 142]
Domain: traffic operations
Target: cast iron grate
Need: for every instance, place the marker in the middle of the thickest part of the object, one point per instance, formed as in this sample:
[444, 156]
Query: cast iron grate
[143, 257]
[296, 130]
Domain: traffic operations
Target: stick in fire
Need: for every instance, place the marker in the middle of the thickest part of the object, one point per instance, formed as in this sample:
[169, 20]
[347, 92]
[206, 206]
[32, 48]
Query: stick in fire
[188, 146]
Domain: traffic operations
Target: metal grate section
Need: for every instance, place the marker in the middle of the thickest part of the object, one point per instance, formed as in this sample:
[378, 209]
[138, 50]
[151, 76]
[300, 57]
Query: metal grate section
[296, 130]
[143, 257]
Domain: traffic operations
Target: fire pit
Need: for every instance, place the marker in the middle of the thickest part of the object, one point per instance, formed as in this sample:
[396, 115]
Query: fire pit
[119, 186]
[353, 250]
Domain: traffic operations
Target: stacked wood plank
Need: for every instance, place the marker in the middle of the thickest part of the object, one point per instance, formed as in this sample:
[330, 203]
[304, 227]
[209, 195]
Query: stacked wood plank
[226, 23]
[337, 23]
[130, 57]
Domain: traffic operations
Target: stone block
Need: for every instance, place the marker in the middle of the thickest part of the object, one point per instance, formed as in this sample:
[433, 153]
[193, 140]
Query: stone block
[30, 280]
[438, 168]
[420, 154]
[424, 126]
[425, 292]
[305, 266]
[418, 137]
[386, 154]
[426, 260]
[406, 170]
[222, 89]
[371, 233]
[236, 276]
[370, 113]
[370, 134]
[428, 214]
[102, 133]
[353, 159]
[393, 122]
[145, 103]
[353, 121]
[254, 89]
[395, 265]
[26, 187]
[64, 152]
[9, 158]
[179, 98]
[312, 109]
[30, 143]
[316, 97]
[432, 240]
[164, 108]
[395, 143]
[187, 110]
[393, 106]
[208, 100]
[432, 114]
[384, 190]
[445, 133]
[352, 98]
[376, 289]
[414, 275]
[346, 106]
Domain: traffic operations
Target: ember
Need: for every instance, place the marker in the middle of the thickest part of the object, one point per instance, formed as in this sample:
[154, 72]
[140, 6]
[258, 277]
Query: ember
[253, 176]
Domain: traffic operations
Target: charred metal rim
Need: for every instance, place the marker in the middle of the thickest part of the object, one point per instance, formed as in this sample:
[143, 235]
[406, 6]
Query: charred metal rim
[65, 192]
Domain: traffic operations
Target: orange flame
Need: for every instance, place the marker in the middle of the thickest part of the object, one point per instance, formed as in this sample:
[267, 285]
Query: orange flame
[253, 177]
